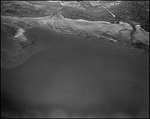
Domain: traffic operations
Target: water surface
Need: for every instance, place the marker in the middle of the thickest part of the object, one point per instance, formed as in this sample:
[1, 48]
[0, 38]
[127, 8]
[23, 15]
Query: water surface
[74, 77]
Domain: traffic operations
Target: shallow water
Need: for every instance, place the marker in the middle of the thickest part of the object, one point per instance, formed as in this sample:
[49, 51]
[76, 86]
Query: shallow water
[78, 79]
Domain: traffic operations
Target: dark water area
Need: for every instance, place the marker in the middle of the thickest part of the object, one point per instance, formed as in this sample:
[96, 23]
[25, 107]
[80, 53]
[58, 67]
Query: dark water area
[72, 77]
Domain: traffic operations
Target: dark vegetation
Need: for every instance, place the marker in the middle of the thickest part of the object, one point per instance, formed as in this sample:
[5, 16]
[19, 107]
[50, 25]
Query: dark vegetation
[137, 11]
[141, 46]
[15, 9]
[70, 13]
[140, 12]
